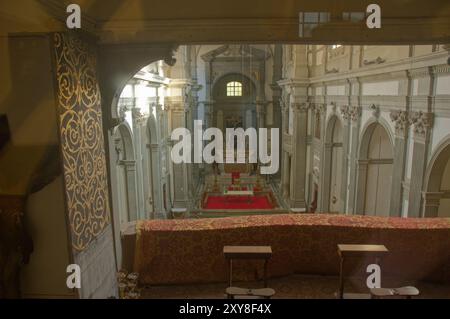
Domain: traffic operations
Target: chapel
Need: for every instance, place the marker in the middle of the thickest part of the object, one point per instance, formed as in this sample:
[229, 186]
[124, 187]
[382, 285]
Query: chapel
[354, 124]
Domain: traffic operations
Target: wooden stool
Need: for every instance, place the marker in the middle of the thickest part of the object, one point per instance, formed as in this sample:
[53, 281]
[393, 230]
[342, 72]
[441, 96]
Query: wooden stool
[352, 251]
[405, 292]
[264, 293]
[247, 252]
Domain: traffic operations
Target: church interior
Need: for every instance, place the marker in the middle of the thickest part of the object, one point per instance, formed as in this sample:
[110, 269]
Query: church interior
[87, 176]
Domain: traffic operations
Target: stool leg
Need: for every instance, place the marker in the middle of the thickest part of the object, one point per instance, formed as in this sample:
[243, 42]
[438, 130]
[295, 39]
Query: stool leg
[230, 267]
[341, 279]
[265, 272]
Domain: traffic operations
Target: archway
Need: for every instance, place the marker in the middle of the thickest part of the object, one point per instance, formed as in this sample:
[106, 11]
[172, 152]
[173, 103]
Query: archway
[125, 168]
[234, 102]
[333, 157]
[133, 117]
[437, 183]
[375, 171]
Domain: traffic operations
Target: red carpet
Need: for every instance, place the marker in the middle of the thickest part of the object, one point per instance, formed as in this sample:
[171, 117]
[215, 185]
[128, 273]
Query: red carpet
[238, 202]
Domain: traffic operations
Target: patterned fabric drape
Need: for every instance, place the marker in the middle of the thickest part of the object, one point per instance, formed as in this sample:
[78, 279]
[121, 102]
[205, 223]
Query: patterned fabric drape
[191, 251]
[82, 140]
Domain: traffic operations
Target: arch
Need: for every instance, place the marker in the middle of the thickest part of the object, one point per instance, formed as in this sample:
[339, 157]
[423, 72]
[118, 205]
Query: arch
[125, 186]
[152, 130]
[245, 79]
[368, 130]
[332, 167]
[435, 193]
[374, 175]
[117, 66]
[242, 75]
[123, 130]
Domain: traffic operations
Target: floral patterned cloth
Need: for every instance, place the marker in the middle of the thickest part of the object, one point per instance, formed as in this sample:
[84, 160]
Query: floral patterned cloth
[191, 251]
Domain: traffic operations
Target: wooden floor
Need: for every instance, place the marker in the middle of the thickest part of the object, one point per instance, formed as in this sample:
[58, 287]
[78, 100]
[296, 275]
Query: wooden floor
[290, 287]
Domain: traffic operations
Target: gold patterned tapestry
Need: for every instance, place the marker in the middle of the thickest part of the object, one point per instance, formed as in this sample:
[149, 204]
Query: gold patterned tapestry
[190, 251]
[82, 140]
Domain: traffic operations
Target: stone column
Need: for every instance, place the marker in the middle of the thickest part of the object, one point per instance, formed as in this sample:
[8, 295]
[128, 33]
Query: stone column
[138, 120]
[355, 116]
[132, 198]
[209, 114]
[400, 119]
[422, 124]
[325, 160]
[325, 180]
[260, 114]
[431, 202]
[360, 186]
[345, 154]
[299, 154]
[276, 96]
[285, 176]
[180, 177]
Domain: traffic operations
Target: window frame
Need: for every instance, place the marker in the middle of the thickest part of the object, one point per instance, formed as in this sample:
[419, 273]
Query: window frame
[234, 89]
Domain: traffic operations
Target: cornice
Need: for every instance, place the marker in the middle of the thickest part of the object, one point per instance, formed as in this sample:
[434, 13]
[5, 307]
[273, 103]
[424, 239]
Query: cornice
[407, 64]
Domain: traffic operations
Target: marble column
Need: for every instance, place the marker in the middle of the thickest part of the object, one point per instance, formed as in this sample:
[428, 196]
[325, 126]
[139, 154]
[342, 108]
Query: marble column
[346, 127]
[325, 160]
[431, 202]
[260, 114]
[285, 176]
[422, 123]
[299, 154]
[132, 198]
[285, 167]
[360, 186]
[138, 120]
[400, 119]
[355, 117]
[276, 96]
[325, 178]
[180, 175]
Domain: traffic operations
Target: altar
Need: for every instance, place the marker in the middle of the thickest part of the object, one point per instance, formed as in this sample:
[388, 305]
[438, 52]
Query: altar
[240, 192]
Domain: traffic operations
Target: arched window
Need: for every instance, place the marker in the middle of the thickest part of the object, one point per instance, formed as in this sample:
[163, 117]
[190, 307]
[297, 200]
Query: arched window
[234, 88]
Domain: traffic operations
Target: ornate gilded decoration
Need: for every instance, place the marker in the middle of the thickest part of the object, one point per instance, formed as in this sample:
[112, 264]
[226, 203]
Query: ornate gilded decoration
[82, 141]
